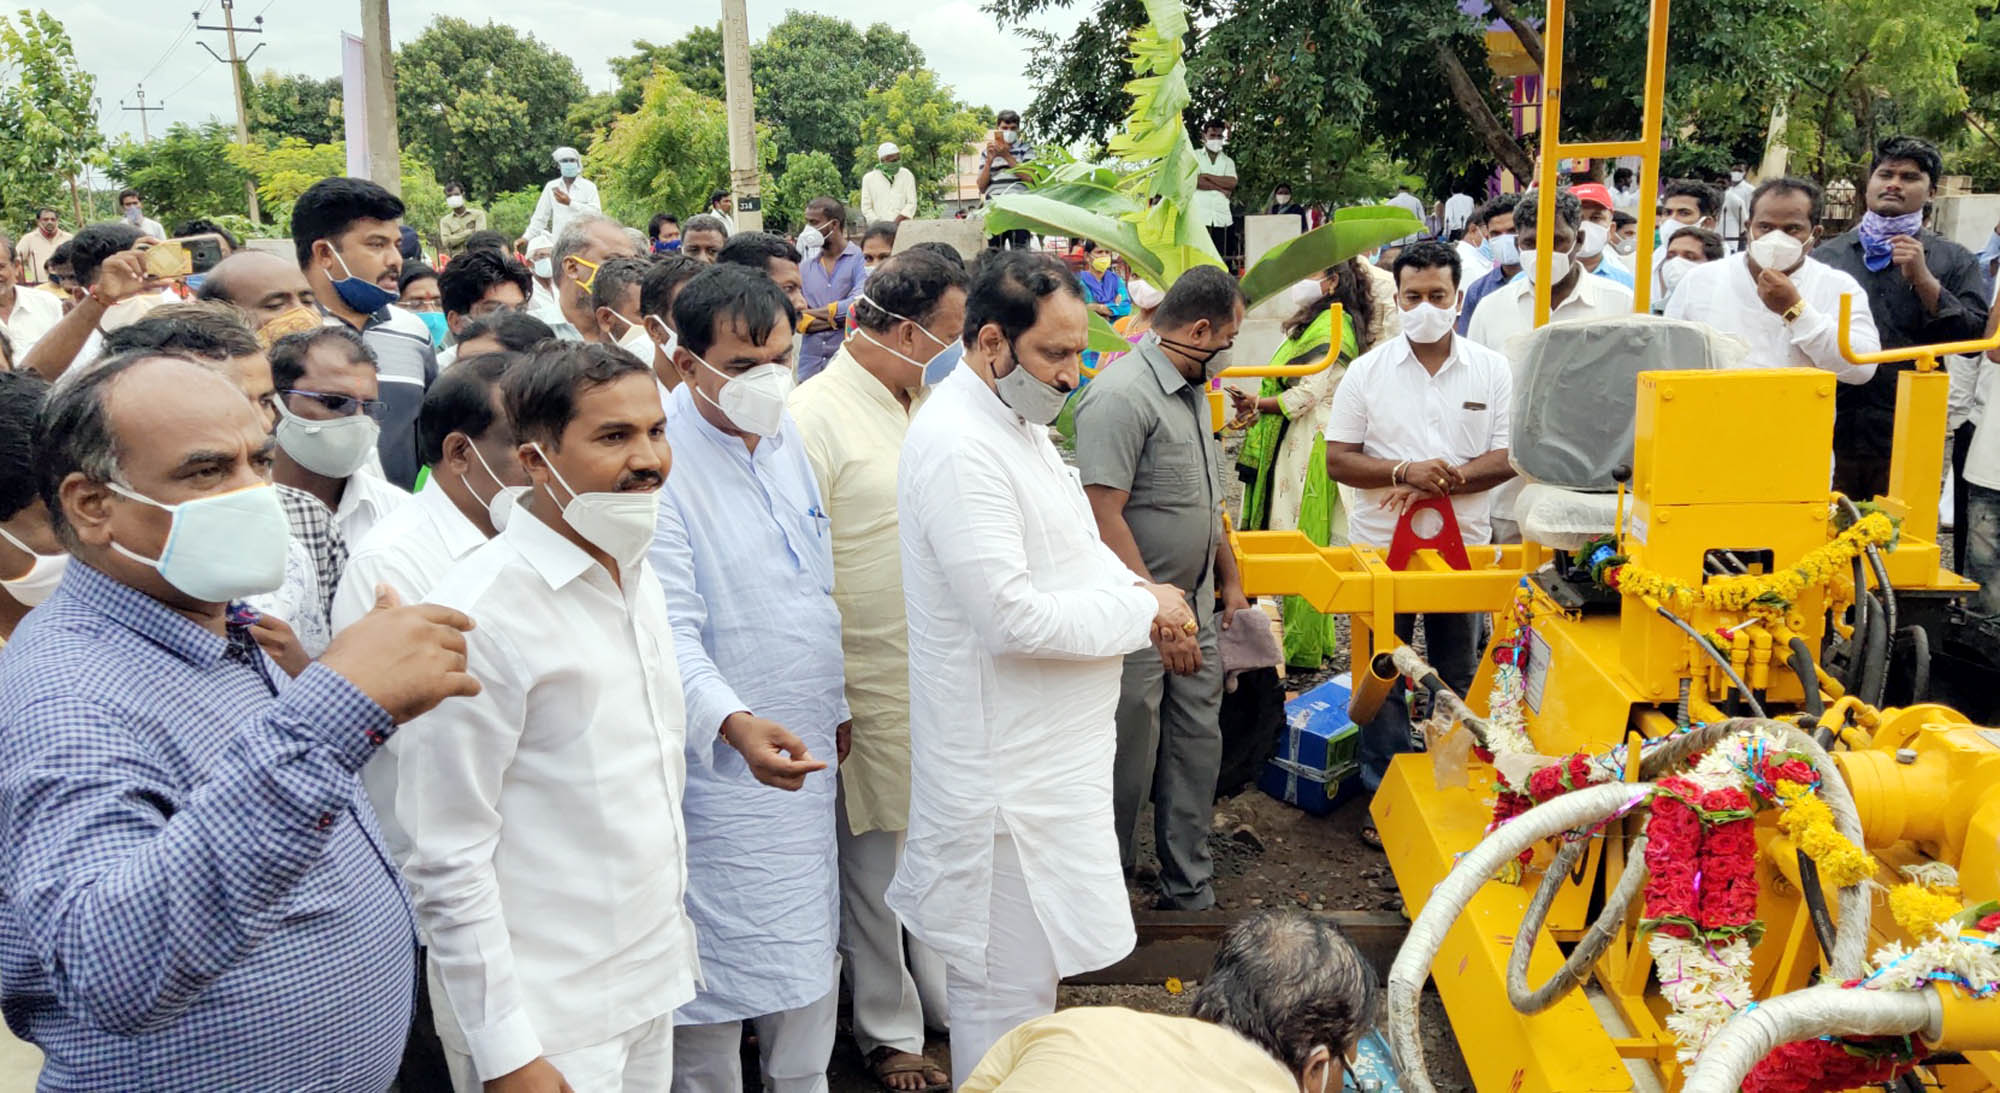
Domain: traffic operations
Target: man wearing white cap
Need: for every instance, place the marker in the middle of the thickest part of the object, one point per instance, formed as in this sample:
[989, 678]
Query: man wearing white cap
[538, 252]
[564, 196]
[889, 192]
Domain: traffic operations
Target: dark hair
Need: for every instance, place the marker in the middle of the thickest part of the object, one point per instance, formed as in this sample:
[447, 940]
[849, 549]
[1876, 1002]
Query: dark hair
[73, 432]
[653, 226]
[1620, 218]
[93, 243]
[517, 330]
[1431, 254]
[911, 284]
[1620, 176]
[288, 354]
[614, 276]
[705, 222]
[1790, 184]
[466, 280]
[1288, 982]
[125, 193]
[330, 205]
[539, 393]
[454, 184]
[744, 297]
[6, 354]
[1914, 149]
[1706, 201]
[1569, 210]
[756, 250]
[1497, 205]
[1005, 116]
[210, 331]
[413, 272]
[1711, 241]
[715, 197]
[1008, 287]
[484, 239]
[1213, 123]
[1204, 292]
[461, 401]
[939, 246]
[882, 229]
[62, 256]
[1354, 291]
[47, 209]
[205, 226]
[829, 207]
[665, 274]
[21, 395]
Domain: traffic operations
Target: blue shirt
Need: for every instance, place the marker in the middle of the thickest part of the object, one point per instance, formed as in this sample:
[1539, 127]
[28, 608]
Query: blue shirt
[1477, 291]
[837, 289]
[195, 893]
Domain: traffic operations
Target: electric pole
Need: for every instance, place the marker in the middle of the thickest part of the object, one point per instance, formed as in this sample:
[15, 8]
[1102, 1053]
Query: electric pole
[742, 115]
[145, 133]
[238, 67]
[378, 72]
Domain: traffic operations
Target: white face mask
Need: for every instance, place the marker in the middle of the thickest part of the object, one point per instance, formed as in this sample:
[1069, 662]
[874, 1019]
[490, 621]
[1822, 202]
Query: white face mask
[1673, 269]
[1625, 245]
[671, 343]
[39, 583]
[1427, 323]
[454, 201]
[618, 522]
[924, 367]
[544, 267]
[1592, 242]
[501, 505]
[223, 547]
[636, 341]
[1505, 251]
[811, 241]
[1558, 267]
[1776, 250]
[1735, 176]
[1214, 145]
[335, 447]
[753, 401]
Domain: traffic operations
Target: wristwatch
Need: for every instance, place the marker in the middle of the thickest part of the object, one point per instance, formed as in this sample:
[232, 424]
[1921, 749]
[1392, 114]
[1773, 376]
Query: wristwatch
[1794, 311]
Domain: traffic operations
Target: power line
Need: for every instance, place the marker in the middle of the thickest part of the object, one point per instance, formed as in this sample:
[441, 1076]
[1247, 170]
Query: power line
[169, 51]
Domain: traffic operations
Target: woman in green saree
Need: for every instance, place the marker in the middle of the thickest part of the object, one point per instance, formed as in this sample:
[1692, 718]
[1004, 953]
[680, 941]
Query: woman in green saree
[1283, 458]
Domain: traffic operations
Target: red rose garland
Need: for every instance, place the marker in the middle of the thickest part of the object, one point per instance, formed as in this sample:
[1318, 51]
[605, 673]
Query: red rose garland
[1826, 1066]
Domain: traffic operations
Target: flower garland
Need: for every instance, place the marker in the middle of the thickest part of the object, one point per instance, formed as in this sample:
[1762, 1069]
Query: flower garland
[1507, 723]
[1822, 1066]
[1701, 905]
[1762, 595]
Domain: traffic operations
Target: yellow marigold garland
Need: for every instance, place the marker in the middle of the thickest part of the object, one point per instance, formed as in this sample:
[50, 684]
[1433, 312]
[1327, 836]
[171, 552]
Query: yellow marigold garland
[1919, 910]
[1809, 822]
[1766, 595]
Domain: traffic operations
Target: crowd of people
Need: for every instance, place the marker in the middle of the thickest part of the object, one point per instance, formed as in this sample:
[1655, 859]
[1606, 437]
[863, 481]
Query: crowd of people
[557, 665]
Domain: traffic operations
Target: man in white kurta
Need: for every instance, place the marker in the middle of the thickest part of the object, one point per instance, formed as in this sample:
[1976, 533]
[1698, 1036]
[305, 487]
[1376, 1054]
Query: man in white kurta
[1019, 620]
[745, 556]
[853, 418]
[547, 858]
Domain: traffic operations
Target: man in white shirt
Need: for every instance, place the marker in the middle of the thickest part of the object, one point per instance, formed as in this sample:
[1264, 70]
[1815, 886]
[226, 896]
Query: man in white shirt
[587, 243]
[743, 554]
[853, 419]
[889, 192]
[329, 407]
[1214, 186]
[1625, 191]
[564, 197]
[1775, 296]
[1472, 259]
[1509, 311]
[1457, 214]
[25, 313]
[1736, 208]
[546, 855]
[1420, 416]
[38, 245]
[1019, 619]
[129, 207]
[1979, 515]
[1404, 199]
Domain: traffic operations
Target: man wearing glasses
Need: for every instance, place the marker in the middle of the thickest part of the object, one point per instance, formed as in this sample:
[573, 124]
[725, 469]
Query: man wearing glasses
[329, 418]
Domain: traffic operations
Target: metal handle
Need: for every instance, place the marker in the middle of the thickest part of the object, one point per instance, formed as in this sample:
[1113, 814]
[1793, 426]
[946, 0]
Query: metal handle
[1926, 356]
[1286, 371]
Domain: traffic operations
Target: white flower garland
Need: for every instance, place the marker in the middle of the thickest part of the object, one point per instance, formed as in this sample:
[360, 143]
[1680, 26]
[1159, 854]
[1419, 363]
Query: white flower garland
[1705, 986]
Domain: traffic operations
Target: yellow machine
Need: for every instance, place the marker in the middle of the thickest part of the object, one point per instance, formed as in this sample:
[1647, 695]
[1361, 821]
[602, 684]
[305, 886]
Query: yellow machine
[1738, 573]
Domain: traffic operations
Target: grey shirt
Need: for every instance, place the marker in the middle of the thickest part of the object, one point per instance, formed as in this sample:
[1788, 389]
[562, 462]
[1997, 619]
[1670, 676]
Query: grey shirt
[1143, 428]
[405, 367]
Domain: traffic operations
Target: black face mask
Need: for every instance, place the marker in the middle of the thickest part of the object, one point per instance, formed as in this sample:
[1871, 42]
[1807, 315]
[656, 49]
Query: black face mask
[1202, 354]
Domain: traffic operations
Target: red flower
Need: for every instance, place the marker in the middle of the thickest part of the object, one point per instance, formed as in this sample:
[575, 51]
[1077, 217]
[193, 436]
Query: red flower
[1826, 1066]
[1989, 924]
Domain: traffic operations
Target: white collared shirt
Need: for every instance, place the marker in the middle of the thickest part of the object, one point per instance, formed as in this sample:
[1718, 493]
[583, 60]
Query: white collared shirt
[1396, 410]
[744, 556]
[548, 857]
[1019, 618]
[366, 500]
[1508, 312]
[1724, 295]
[35, 313]
[410, 550]
[1212, 206]
[1472, 264]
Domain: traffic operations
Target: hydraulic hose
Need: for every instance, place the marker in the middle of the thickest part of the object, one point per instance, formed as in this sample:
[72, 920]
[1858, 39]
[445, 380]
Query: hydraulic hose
[1920, 662]
[1826, 1010]
[1809, 885]
[1419, 672]
[1801, 661]
[1850, 676]
[1742, 688]
[1582, 808]
[1882, 584]
[1603, 930]
[1875, 657]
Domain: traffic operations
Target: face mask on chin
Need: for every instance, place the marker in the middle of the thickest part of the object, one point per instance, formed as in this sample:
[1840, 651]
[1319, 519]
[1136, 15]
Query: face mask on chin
[618, 522]
[754, 400]
[363, 297]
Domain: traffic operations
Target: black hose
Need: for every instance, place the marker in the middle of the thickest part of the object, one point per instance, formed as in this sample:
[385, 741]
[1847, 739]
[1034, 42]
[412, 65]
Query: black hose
[1802, 666]
[1756, 708]
[1920, 662]
[1850, 677]
[1815, 894]
[1882, 584]
[1874, 657]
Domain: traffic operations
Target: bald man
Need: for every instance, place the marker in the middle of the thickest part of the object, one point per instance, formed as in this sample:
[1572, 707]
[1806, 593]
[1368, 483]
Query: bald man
[264, 285]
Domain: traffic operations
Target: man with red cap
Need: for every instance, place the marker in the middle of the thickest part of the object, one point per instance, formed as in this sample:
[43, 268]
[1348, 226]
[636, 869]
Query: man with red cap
[1592, 248]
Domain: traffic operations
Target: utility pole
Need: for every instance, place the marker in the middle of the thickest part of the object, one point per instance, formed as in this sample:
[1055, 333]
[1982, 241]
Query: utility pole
[145, 133]
[378, 72]
[742, 115]
[238, 67]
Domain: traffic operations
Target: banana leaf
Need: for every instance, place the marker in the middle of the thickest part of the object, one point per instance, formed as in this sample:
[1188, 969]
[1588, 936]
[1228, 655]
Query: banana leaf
[1350, 232]
[1169, 18]
[1104, 338]
[1091, 197]
[1041, 215]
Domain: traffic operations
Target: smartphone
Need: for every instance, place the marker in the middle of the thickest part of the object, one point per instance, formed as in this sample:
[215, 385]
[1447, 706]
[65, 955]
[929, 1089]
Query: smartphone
[182, 256]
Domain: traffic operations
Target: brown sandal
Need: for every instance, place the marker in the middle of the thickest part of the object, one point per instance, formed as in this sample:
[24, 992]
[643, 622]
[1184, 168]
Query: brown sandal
[886, 1062]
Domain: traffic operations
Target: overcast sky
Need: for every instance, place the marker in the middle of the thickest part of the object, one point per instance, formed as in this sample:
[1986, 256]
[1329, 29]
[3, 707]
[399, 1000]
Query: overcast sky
[126, 42]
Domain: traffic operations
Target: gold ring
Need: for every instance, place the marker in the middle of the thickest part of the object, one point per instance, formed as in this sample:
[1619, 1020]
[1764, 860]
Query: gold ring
[1190, 627]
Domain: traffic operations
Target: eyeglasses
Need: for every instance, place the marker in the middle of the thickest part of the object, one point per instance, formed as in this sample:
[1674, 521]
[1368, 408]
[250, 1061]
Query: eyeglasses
[342, 405]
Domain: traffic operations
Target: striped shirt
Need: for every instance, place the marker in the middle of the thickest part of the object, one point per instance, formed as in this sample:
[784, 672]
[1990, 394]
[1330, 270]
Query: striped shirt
[406, 366]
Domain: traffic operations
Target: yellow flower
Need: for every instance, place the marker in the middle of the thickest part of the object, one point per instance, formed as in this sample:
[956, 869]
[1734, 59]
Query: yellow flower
[1810, 824]
[1919, 910]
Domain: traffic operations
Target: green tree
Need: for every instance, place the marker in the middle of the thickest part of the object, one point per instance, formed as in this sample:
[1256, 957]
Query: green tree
[48, 119]
[287, 169]
[696, 57]
[669, 154]
[926, 123]
[485, 104]
[294, 105]
[813, 73]
[509, 213]
[806, 175]
[185, 173]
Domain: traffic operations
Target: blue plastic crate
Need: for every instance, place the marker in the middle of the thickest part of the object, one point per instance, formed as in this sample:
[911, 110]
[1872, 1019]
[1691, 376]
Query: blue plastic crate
[1319, 751]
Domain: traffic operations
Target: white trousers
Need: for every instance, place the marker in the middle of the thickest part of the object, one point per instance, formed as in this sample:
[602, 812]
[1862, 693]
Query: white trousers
[793, 1048]
[1019, 981]
[638, 1061]
[897, 982]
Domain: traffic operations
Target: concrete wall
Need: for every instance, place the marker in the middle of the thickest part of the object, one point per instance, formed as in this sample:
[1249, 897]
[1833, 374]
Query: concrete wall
[967, 236]
[1261, 336]
[1967, 219]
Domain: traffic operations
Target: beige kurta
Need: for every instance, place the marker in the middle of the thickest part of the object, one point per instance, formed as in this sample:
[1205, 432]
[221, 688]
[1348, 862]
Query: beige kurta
[853, 429]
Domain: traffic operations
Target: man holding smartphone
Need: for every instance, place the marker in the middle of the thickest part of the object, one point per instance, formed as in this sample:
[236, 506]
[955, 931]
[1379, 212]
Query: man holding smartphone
[999, 172]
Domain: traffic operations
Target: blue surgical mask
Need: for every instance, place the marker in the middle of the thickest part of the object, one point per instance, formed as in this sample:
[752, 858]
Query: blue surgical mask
[435, 320]
[1503, 250]
[365, 297]
[222, 547]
